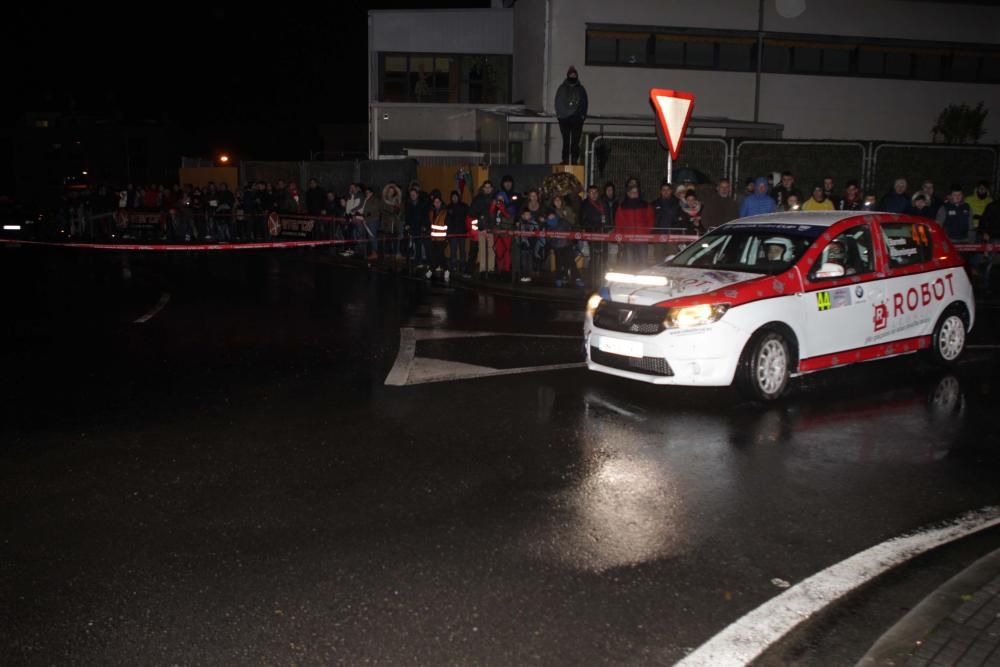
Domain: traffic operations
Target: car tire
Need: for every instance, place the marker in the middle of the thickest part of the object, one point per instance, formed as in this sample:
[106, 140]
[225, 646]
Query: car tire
[765, 366]
[948, 341]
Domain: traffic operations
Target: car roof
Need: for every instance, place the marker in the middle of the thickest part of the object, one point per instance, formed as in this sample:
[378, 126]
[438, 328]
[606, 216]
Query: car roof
[812, 218]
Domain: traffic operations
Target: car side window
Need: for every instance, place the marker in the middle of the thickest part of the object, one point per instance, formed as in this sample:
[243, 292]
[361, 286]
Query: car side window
[852, 249]
[908, 243]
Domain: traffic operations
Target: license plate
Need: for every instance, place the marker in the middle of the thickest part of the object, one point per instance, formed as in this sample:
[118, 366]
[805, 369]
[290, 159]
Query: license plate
[617, 346]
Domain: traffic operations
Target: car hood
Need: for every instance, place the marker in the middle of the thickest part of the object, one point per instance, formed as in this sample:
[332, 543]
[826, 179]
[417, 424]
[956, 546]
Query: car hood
[680, 281]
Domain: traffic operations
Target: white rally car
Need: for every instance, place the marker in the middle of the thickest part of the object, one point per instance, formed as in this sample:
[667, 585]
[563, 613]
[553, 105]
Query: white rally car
[766, 298]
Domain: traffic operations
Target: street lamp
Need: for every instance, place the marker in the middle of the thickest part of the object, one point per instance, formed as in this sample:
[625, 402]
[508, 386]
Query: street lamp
[224, 159]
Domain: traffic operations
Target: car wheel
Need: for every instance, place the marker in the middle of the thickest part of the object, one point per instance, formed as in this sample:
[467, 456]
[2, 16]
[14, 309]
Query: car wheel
[948, 341]
[765, 366]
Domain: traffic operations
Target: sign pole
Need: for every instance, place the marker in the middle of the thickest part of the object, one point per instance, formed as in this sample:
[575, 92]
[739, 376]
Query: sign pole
[670, 169]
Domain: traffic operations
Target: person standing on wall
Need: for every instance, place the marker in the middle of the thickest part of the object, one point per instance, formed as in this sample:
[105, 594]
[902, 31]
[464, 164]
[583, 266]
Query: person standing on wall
[571, 110]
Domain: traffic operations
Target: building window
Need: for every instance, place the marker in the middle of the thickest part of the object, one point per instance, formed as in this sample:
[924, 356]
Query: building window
[837, 60]
[964, 67]
[990, 70]
[737, 56]
[777, 57]
[669, 52]
[444, 78]
[927, 66]
[735, 51]
[898, 64]
[806, 60]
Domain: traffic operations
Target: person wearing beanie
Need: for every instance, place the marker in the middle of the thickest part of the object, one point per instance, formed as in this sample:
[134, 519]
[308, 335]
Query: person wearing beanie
[571, 110]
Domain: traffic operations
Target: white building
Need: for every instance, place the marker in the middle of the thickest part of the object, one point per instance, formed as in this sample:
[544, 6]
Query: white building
[485, 80]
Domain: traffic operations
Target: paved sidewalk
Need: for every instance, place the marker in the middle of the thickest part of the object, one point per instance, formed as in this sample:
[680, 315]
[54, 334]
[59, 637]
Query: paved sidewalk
[958, 624]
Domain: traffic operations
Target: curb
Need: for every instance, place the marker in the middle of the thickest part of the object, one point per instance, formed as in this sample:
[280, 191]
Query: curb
[903, 639]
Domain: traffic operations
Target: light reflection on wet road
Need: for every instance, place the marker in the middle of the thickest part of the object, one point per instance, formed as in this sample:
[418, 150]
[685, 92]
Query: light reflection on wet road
[233, 481]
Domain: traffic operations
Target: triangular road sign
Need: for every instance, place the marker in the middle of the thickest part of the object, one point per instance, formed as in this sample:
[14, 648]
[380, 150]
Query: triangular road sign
[673, 110]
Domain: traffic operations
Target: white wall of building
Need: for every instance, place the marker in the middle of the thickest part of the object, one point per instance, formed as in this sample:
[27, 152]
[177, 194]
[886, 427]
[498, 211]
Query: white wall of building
[808, 107]
[822, 107]
[437, 122]
[529, 52]
[895, 19]
[486, 31]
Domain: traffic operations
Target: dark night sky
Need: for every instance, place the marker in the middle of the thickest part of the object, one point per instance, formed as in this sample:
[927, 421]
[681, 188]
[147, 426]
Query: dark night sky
[227, 75]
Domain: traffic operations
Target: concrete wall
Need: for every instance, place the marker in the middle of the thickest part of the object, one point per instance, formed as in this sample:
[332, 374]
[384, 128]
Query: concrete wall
[896, 19]
[808, 107]
[487, 31]
[529, 52]
[444, 122]
[836, 107]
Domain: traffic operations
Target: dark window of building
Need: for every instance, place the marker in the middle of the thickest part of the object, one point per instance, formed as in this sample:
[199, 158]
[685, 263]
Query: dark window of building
[897, 64]
[964, 67]
[871, 62]
[632, 49]
[736, 50]
[394, 78]
[700, 54]
[837, 60]
[806, 60]
[927, 66]
[445, 78]
[601, 49]
[777, 58]
[669, 52]
[990, 70]
[736, 56]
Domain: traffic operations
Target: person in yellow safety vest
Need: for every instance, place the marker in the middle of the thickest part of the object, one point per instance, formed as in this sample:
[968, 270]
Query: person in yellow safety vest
[439, 232]
[978, 201]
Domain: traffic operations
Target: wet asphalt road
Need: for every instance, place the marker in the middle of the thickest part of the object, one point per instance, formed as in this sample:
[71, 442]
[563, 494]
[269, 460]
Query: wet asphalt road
[233, 482]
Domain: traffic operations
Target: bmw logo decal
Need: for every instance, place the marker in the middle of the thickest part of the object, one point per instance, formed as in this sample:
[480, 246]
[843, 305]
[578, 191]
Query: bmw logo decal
[859, 291]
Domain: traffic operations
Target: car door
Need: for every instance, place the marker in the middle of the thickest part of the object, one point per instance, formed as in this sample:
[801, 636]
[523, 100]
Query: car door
[915, 289]
[838, 301]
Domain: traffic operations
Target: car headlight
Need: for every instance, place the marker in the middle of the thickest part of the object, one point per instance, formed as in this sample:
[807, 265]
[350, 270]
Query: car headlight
[592, 303]
[694, 316]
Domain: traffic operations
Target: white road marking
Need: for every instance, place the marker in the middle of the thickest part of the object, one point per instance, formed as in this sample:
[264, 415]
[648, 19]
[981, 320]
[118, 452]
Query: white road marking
[164, 300]
[569, 316]
[409, 369]
[404, 359]
[425, 371]
[747, 638]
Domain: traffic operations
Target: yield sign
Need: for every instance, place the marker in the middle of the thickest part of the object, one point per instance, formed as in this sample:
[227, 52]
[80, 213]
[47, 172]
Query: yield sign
[673, 108]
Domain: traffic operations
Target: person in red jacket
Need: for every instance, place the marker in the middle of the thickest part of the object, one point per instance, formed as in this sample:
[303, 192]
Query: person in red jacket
[634, 216]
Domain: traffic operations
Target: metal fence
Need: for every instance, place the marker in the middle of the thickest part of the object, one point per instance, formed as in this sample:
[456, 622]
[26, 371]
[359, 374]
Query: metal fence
[874, 165]
[810, 161]
[944, 165]
[618, 158]
[332, 175]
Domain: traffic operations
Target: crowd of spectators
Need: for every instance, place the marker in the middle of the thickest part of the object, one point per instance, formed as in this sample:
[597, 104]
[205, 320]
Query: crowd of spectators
[431, 232]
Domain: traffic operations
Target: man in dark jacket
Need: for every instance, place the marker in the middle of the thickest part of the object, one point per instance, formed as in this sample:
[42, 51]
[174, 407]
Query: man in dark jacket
[416, 225]
[595, 217]
[458, 211]
[896, 201]
[666, 210]
[786, 187]
[956, 216]
[718, 206]
[315, 198]
[571, 110]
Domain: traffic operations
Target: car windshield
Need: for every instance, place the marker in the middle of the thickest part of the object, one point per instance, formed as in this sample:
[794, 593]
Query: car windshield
[767, 249]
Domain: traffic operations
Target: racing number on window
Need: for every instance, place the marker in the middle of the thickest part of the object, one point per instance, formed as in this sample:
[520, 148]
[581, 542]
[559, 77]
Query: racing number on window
[823, 300]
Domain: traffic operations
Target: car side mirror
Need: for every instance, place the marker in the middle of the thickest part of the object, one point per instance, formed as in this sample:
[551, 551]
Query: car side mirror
[830, 270]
